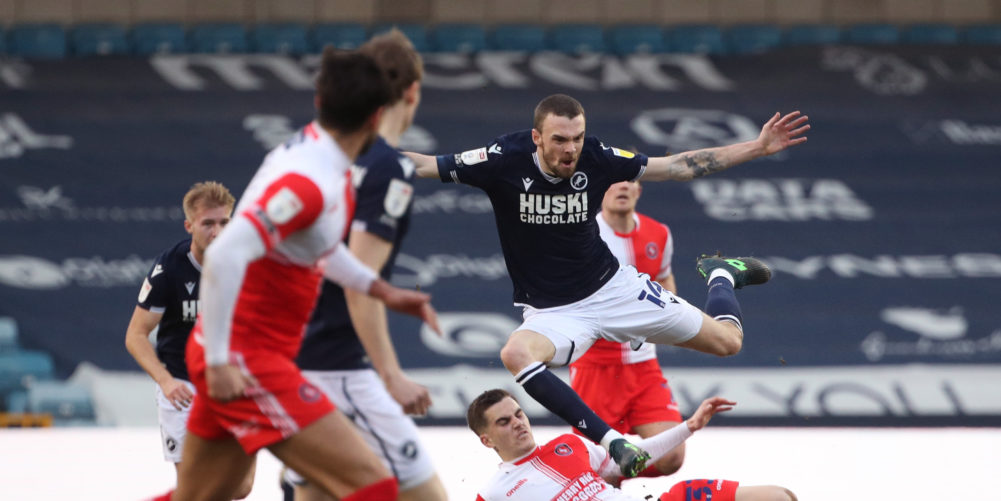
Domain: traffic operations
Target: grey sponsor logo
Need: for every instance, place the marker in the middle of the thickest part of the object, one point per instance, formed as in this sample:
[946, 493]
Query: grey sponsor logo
[473, 335]
[30, 272]
[51, 204]
[780, 200]
[16, 137]
[272, 131]
[935, 266]
[940, 333]
[452, 201]
[411, 270]
[682, 129]
[882, 73]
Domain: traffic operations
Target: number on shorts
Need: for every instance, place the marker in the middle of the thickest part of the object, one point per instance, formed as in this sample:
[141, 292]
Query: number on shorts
[654, 294]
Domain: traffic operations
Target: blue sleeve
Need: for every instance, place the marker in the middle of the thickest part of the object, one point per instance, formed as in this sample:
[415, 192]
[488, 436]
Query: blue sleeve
[624, 164]
[385, 196]
[473, 167]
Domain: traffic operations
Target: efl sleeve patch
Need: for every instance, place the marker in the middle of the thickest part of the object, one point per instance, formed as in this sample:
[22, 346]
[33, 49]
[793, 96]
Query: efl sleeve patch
[291, 203]
[473, 157]
[398, 197]
[622, 153]
[145, 290]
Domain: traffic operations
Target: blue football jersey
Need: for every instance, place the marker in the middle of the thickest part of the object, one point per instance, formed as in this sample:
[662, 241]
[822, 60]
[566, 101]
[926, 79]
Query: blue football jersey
[171, 288]
[384, 194]
[547, 226]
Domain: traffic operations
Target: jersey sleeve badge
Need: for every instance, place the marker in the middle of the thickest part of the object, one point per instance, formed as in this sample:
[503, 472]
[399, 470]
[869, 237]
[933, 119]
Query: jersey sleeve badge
[622, 153]
[473, 157]
[283, 206]
[398, 197]
[145, 290]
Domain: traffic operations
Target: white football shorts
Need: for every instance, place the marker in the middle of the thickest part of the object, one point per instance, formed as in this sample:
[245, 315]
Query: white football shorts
[380, 420]
[173, 424]
[629, 307]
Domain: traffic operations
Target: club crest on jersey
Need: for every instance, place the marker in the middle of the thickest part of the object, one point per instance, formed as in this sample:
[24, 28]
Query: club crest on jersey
[398, 197]
[578, 181]
[563, 450]
[472, 157]
[651, 250]
[308, 393]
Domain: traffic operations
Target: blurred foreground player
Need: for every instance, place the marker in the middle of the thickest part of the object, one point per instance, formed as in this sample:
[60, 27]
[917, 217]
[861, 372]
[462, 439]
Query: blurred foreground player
[568, 467]
[168, 300]
[348, 334]
[259, 285]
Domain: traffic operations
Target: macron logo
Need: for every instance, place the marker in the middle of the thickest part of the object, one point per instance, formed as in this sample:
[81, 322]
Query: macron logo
[190, 286]
[582, 425]
[158, 269]
[527, 182]
[494, 148]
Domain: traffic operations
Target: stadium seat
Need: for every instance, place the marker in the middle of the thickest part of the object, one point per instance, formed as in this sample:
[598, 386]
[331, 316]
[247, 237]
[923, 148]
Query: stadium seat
[925, 34]
[752, 38]
[578, 38]
[20, 368]
[68, 403]
[16, 402]
[812, 34]
[459, 37]
[159, 38]
[647, 38]
[415, 32]
[519, 37]
[702, 38]
[38, 41]
[100, 39]
[8, 334]
[281, 38]
[220, 38]
[872, 34]
[340, 35]
[984, 34]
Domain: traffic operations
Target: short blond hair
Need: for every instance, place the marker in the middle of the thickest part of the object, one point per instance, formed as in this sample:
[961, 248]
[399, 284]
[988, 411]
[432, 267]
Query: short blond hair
[208, 194]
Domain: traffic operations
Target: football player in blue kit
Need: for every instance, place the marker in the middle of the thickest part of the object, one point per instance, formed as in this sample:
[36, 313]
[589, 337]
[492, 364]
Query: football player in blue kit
[546, 186]
[168, 299]
[347, 351]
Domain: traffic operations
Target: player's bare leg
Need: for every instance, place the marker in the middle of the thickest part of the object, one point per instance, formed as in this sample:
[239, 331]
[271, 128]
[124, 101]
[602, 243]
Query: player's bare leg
[245, 487]
[669, 463]
[338, 469]
[211, 470]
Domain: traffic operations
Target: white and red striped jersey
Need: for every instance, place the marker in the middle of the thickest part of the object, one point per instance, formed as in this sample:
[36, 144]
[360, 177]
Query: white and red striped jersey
[649, 248]
[564, 469]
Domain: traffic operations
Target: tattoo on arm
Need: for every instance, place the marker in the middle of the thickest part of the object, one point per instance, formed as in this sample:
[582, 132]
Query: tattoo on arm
[703, 163]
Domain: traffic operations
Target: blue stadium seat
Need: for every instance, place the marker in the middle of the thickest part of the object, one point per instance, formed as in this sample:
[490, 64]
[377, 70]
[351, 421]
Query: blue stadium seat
[459, 38]
[578, 38]
[812, 34]
[8, 334]
[753, 38]
[281, 38]
[984, 34]
[417, 34]
[931, 33]
[702, 38]
[159, 38]
[646, 38]
[67, 403]
[519, 37]
[872, 34]
[224, 38]
[16, 402]
[19, 369]
[100, 39]
[38, 41]
[340, 35]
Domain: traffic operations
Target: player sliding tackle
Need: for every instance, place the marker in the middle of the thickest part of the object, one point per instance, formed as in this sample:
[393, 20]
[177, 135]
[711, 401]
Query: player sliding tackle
[546, 187]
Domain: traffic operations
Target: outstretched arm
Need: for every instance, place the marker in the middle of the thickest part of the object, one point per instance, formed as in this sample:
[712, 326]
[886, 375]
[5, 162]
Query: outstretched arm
[662, 443]
[779, 133]
[427, 165]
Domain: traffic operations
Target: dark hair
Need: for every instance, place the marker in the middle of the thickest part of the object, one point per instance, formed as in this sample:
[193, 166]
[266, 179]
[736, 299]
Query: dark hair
[474, 414]
[560, 105]
[398, 58]
[350, 87]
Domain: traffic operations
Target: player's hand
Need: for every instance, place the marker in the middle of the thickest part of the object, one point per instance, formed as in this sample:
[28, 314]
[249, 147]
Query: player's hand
[707, 410]
[177, 393]
[226, 382]
[413, 397]
[414, 303]
[781, 132]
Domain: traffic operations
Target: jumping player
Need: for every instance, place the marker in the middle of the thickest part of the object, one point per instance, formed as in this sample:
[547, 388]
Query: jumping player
[259, 284]
[544, 186]
[168, 300]
[623, 385]
[568, 467]
[348, 332]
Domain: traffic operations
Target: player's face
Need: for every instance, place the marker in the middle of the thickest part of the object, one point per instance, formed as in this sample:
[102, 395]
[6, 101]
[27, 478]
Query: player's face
[559, 144]
[621, 197]
[508, 430]
[205, 225]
